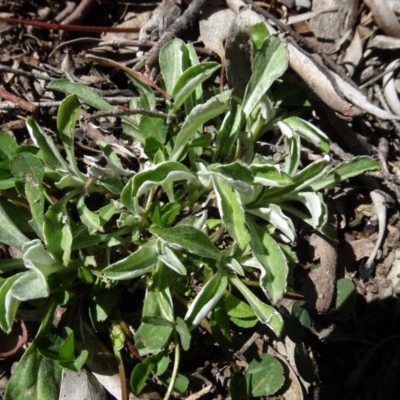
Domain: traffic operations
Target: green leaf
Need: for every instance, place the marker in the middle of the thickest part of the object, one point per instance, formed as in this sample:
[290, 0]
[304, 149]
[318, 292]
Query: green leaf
[152, 338]
[273, 264]
[206, 300]
[137, 264]
[190, 80]
[66, 119]
[235, 307]
[48, 149]
[26, 165]
[181, 383]
[183, 332]
[155, 128]
[171, 60]
[35, 198]
[34, 378]
[270, 175]
[238, 386]
[346, 297]
[7, 146]
[8, 304]
[139, 376]
[147, 98]
[197, 117]
[157, 175]
[309, 132]
[89, 218]
[187, 238]
[231, 210]
[9, 233]
[57, 229]
[265, 376]
[171, 260]
[229, 132]
[101, 306]
[265, 313]
[270, 63]
[86, 94]
[259, 32]
[346, 170]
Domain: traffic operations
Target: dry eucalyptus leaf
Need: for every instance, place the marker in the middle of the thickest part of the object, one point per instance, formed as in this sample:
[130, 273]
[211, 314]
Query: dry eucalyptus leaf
[320, 287]
[384, 17]
[214, 29]
[362, 248]
[80, 385]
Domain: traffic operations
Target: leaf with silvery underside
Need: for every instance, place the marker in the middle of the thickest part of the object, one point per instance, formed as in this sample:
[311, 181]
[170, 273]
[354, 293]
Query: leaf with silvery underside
[89, 218]
[165, 172]
[270, 63]
[270, 175]
[264, 312]
[273, 264]
[171, 260]
[313, 202]
[308, 132]
[198, 116]
[8, 304]
[57, 229]
[273, 214]
[206, 299]
[48, 149]
[9, 233]
[346, 170]
[190, 80]
[138, 263]
[231, 210]
[188, 238]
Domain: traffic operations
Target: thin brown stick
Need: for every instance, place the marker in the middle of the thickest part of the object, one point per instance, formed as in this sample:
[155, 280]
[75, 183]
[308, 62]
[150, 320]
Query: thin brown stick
[16, 100]
[180, 25]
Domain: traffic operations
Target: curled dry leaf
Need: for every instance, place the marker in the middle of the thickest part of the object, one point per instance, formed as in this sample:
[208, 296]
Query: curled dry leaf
[380, 208]
[360, 100]
[384, 16]
[389, 88]
[318, 79]
[320, 286]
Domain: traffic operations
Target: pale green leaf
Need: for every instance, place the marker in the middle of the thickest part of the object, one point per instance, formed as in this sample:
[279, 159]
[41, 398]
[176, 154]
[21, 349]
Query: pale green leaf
[270, 63]
[264, 312]
[197, 117]
[346, 170]
[171, 260]
[190, 80]
[231, 210]
[9, 233]
[8, 304]
[171, 63]
[189, 238]
[274, 268]
[273, 214]
[308, 131]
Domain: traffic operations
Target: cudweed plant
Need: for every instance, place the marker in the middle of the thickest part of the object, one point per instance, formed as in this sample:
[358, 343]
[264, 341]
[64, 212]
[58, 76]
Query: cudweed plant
[205, 221]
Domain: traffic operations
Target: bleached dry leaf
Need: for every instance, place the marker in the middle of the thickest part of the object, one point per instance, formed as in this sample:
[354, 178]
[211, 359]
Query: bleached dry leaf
[320, 287]
[353, 53]
[383, 42]
[380, 209]
[362, 248]
[360, 100]
[214, 28]
[389, 89]
[317, 79]
[384, 17]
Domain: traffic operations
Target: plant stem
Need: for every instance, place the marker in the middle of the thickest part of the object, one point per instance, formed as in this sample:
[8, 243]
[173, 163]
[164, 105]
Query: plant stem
[176, 367]
[47, 320]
